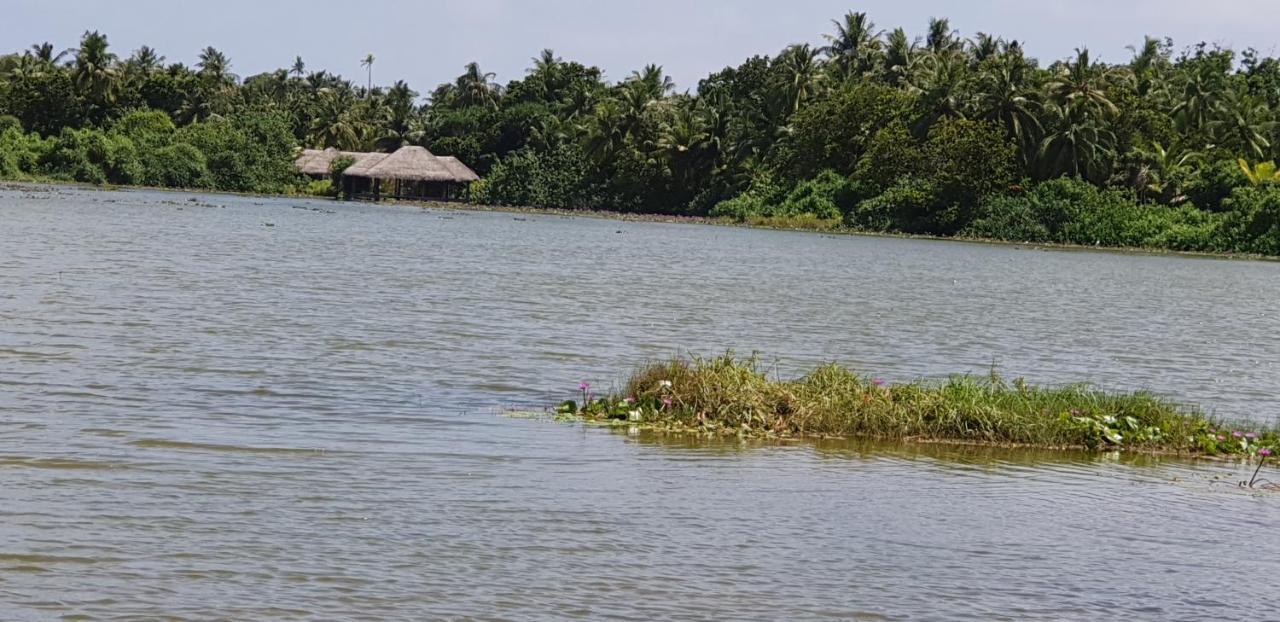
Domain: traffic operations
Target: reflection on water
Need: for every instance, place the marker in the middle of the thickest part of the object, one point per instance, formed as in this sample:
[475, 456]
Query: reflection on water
[203, 417]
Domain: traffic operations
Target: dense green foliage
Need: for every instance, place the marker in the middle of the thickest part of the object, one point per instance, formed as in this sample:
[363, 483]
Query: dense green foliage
[938, 135]
[726, 395]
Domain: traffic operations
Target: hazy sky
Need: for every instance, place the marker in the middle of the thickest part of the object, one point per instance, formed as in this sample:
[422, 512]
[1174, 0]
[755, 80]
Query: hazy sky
[428, 42]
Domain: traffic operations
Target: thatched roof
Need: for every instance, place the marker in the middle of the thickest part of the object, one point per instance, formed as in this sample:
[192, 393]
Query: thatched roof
[461, 172]
[317, 162]
[407, 163]
[410, 164]
[312, 162]
[365, 162]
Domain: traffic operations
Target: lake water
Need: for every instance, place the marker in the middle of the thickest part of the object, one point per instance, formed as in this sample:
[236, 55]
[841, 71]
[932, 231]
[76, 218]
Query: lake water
[259, 409]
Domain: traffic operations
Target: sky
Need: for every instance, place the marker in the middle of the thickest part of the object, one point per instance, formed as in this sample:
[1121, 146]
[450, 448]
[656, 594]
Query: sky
[426, 42]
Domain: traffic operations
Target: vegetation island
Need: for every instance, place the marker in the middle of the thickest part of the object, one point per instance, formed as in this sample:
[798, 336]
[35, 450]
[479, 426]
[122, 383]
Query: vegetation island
[732, 396]
[876, 131]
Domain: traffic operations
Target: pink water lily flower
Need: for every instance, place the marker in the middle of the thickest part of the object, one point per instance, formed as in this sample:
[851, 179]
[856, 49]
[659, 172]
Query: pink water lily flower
[1251, 435]
[879, 382]
[584, 385]
[1264, 452]
[1236, 434]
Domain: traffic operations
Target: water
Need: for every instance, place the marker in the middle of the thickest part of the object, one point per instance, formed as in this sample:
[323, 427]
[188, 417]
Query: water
[247, 408]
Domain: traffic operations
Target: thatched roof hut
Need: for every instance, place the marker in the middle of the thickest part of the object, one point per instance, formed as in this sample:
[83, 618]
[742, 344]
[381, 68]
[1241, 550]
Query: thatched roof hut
[410, 163]
[461, 172]
[364, 162]
[316, 162]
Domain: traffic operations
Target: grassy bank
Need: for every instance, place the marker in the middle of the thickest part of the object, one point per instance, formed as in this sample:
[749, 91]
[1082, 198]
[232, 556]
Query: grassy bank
[732, 396]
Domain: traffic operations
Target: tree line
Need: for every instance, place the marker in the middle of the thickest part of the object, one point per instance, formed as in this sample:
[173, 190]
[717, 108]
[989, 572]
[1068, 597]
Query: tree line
[877, 130]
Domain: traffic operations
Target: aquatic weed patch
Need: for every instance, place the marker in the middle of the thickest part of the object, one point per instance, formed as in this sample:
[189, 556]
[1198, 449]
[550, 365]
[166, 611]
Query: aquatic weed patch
[727, 395]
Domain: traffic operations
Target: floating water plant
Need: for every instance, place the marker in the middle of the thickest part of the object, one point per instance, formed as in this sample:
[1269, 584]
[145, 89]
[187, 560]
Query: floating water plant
[734, 396]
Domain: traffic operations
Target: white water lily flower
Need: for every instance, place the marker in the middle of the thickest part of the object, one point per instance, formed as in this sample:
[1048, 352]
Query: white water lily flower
[665, 384]
[634, 415]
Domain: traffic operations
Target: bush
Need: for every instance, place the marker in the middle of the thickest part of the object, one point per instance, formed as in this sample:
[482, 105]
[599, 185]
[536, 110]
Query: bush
[908, 206]
[556, 179]
[827, 196]
[1008, 218]
[1253, 223]
[177, 166]
[757, 200]
[21, 153]
[249, 152]
[9, 122]
[1070, 211]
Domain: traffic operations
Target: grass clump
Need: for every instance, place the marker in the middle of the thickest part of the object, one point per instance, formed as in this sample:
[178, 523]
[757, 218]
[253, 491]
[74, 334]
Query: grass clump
[731, 395]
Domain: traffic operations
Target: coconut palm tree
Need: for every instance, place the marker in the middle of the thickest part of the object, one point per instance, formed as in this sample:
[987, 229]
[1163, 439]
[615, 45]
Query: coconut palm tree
[800, 73]
[215, 67]
[652, 81]
[367, 62]
[899, 57]
[1243, 122]
[940, 37]
[94, 69]
[44, 52]
[476, 87]
[1079, 143]
[1082, 81]
[854, 48]
[299, 68]
[1161, 172]
[1005, 96]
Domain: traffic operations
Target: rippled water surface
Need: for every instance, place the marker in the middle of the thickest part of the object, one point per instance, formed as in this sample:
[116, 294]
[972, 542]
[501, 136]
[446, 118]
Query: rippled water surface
[219, 407]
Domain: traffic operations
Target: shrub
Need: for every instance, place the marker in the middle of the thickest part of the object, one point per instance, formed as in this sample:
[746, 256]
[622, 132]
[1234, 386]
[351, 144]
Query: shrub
[21, 153]
[8, 122]
[1253, 223]
[757, 200]
[549, 179]
[821, 197]
[1071, 211]
[909, 206]
[179, 165]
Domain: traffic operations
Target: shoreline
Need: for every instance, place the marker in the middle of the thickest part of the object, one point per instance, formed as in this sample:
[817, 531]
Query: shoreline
[841, 230]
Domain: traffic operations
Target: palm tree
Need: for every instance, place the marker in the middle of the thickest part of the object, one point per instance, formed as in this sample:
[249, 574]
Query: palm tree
[44, 52]
[336, 122]
[1079, 144]
[143, 63]
[854, 46]
[476, 88]
[1161, 172]
[939, 80]
[1004, 97]
[94, 68]
[652, 82]
[215, 66]
[546, 62]
[900, 53]
[1148, 63]
[1083, 81]
[800, 74]
[367, 62]
[941, 38]
[1199, 99]
[1243, 122]
[401, 124]
[984, 46]
[299, 68]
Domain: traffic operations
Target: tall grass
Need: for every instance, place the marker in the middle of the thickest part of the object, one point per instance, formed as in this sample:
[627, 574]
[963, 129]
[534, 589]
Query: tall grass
[727, 394]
